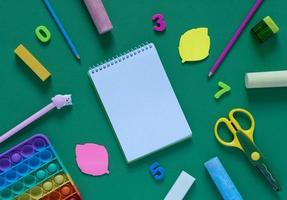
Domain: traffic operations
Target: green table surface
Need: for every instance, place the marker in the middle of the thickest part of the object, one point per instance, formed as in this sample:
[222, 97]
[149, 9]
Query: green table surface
[22, 93]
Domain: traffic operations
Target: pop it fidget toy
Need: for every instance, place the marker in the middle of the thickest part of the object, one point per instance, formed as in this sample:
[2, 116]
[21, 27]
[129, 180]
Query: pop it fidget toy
[32, 170]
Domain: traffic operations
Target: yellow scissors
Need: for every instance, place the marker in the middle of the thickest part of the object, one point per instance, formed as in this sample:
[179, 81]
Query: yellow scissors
[243, 139]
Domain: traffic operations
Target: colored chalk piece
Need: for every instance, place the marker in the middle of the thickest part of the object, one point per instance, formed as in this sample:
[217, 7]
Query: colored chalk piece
[32, 62]
[265, 29]
[222, 180]
[157, 172]
[270, 79]
[180, 187]
[99, 15]
[43, 34]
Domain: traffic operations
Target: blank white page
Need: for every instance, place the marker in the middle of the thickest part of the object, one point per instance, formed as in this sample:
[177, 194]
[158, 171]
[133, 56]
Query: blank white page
[140, 102]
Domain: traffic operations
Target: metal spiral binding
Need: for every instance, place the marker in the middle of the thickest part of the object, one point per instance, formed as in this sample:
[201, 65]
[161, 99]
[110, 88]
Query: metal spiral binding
[121, 57]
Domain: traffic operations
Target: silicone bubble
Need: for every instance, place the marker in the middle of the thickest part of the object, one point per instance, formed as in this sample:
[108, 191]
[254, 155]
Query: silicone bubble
[22, 169]
[16, 157]
[6, 194]
[24, 197]
[2, 182]
[45, 155]
[41, 174]
[34, 162]
[4, 164]
[36, 192]
[27, 150]
[48, 185]
[74, 197]
[59, 179]
[29, 180]
[55, 195]
[66, 190]
[18, 188]
[11, 175]
[39, 143]
[52, 168]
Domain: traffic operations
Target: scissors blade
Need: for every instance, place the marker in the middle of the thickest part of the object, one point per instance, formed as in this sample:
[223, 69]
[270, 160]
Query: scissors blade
[267, 174]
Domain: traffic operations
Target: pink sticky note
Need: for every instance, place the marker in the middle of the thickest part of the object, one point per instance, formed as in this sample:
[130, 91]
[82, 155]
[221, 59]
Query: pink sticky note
[92, 159]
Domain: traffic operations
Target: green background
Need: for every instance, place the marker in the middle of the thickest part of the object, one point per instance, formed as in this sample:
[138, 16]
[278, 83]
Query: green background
[22, 93]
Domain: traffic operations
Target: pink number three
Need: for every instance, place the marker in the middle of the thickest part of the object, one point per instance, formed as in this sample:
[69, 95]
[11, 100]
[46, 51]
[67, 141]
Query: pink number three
[160, 23]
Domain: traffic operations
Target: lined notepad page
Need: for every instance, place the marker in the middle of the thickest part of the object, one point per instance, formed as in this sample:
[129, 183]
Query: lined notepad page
[140, 102]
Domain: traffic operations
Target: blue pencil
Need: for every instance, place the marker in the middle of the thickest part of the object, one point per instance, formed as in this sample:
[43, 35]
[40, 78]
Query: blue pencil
[63, 31]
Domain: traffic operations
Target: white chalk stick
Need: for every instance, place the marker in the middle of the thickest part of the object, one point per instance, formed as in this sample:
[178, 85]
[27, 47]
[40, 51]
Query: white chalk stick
[266, 79]
[180, 187]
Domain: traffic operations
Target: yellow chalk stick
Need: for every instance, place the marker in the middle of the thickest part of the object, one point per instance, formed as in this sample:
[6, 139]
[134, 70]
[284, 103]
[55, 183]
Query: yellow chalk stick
[32, 62]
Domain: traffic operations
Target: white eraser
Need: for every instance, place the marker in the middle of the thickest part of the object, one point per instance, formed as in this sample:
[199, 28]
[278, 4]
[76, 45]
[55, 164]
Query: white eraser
[266, 79]
[180, 187]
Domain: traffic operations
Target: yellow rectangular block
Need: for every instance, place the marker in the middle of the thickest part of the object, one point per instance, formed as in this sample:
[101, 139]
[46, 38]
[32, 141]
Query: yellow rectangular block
[32, 62]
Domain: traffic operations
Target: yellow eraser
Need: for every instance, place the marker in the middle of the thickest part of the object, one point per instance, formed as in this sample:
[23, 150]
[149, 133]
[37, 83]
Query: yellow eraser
[32, 62]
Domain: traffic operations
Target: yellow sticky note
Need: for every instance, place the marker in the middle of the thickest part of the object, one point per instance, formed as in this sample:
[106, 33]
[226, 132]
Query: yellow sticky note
[194, 45]
[32, 62]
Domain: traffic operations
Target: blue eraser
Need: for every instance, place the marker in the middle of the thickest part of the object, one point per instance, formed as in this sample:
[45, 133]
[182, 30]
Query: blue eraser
[156, 171]
[222, 180]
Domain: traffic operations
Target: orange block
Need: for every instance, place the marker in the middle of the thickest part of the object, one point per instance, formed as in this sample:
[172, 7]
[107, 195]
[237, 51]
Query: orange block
[32, 62]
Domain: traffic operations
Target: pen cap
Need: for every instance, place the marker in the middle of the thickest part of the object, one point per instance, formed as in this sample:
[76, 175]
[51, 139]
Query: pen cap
[99, 15]
[62, 100]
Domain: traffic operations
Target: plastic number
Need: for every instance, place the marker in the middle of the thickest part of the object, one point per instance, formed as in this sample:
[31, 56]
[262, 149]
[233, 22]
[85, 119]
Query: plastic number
[160, 23]
[43, 34]
[157, 172]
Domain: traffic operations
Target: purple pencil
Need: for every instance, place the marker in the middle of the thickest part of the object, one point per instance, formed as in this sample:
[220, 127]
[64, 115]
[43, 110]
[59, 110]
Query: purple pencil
[234, 38]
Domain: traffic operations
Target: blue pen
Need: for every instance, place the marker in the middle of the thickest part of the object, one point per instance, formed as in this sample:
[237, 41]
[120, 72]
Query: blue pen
[63, 31]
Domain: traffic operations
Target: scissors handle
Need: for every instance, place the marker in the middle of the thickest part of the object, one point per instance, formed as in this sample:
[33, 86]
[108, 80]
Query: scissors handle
[228, 123]
[234, 126]
[248, 132]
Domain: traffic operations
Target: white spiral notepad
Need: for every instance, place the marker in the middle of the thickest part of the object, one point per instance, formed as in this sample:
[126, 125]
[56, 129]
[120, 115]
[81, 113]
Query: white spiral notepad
[140, 102]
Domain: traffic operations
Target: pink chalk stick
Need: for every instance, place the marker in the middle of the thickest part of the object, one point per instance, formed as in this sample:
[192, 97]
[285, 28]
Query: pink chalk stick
[99, 15]
[92, 159]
